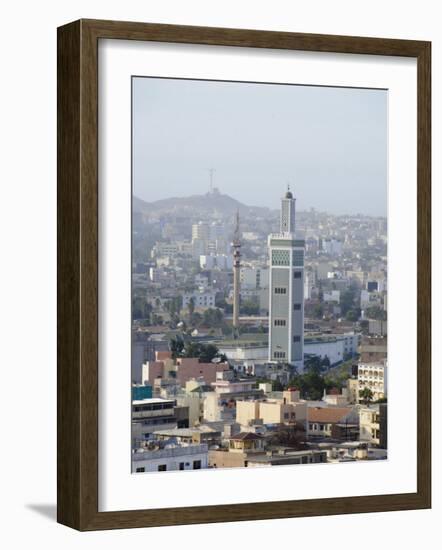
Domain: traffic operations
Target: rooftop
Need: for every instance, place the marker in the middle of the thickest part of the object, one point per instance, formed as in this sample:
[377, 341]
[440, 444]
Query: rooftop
[152, 400]
[327, 414]
[246, 436]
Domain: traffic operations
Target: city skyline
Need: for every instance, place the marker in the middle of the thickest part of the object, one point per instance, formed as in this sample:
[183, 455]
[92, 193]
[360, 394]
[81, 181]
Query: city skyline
[257, 343]
[328, 143]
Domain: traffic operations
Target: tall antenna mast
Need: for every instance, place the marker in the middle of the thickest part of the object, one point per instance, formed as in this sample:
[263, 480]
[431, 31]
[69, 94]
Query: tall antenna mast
[211, 173]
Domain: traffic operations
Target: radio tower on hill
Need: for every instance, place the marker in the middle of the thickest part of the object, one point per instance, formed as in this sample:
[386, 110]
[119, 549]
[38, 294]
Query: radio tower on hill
[236, 244]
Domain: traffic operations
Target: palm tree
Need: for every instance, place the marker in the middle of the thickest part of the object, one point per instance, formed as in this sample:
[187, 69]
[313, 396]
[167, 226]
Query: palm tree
[191, 307]
[366, 395]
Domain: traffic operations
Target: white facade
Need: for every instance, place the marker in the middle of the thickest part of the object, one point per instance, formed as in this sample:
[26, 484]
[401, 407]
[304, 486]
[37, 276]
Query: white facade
[220, 261]
[170, 458]
[365, 298]
[331, 348]
[369, 428]
[200, 231]
[200, 299]
[332, 296]
[286, 303]
[374, 377]
[164, 249]
[254, 277]
[309, 283]
[333, 247]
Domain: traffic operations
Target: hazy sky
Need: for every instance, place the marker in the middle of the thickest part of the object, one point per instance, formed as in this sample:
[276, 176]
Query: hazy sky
[329, 143]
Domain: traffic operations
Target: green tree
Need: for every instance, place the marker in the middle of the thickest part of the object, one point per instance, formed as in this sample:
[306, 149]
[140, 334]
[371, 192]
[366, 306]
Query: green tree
[249, 308]
[318, 311]
[213, 317]
[205, 353]
[352, 315]
[376, 312]
[277, 386]
[347, 299]
[313, 364]
[191, 307]
[366, 395]
[176, 346]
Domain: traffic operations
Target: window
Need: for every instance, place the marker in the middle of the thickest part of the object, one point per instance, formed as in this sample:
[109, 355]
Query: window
[197, 464]
[279, 322]
[181, 465]
[296, 339]
[280, 257]
[297, 275]
[298, 258]
[162, 467]
[286, 415]
[280, 290]
[279, 355]
[296, 307]
[139, 470]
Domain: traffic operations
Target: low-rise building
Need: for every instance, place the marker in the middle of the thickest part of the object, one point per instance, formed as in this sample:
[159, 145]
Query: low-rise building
[170, 458]
[331, 422]
[288, 409]
[287, 457]
[373, 425]
[149, 415]
[188, 368]
[374, 377]
[201, 299]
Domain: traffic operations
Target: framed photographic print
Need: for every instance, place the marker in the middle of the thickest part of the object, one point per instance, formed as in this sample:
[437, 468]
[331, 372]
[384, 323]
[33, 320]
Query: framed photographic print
[243, 275]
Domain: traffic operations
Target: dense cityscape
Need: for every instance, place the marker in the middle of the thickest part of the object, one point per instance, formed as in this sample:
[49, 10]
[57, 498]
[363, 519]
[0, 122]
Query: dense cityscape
[259, 336]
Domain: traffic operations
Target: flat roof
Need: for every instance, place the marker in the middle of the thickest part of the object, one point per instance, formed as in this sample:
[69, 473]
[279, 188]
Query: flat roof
[151, 400]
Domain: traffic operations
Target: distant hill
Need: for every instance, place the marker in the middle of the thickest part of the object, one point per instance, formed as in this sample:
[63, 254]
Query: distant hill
[215, 202]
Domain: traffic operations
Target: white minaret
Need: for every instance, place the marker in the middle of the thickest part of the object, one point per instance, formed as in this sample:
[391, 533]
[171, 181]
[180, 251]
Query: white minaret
[286, 288]
[236, 272]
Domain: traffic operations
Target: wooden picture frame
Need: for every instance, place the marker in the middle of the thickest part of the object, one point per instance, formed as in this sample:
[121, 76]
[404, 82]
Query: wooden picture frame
[78, 274]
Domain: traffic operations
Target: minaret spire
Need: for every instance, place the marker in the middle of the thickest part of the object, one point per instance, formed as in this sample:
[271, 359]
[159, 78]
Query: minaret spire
[236, 271]
[288, 204]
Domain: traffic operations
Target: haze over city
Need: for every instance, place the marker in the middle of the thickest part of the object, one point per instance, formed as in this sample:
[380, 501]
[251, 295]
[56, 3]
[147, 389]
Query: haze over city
[330, 144]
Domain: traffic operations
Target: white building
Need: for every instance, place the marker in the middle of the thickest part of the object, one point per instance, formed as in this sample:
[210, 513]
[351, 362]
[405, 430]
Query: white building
[219, 261]
[374, 377]
[309, 283]
[164, 249]
[333, 247]
[365, 298]
[200, 231]
[286, 304]
[171, 457]
[332, 296]
[369, 424]
[201, 300]
[254, 277]
[149, 415]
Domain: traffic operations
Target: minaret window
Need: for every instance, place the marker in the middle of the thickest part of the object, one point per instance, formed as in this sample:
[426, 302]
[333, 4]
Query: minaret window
[298, 257]
[280, 257]
[280, 290]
